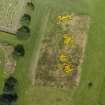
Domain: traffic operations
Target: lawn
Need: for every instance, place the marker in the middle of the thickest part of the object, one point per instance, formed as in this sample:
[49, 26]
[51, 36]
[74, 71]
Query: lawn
[93, 68]
[1, 70]
[10, 14]
[9, 38]
[23, 69]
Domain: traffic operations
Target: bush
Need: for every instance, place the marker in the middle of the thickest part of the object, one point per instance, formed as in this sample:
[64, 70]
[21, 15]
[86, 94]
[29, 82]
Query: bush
[90, 84]
[9, 95]
[19, 50]
[23, 33]
[9, 86]
[30, 5]
[25, 20]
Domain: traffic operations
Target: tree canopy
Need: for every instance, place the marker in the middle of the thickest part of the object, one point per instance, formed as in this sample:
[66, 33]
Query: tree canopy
[26, 19]
[19, 50]
[10, 85]
[9, 94]
[30, 5]
[23, 32]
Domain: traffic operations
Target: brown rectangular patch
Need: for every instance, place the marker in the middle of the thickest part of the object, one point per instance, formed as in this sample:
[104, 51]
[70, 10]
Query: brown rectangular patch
[62, 53]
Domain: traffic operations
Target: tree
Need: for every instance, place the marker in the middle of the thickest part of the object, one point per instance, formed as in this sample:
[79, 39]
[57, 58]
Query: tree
[30, 5]
[4, 101]
[26, 19]
[23, 33]
[9, 86]
[19, 50]
[10, 97]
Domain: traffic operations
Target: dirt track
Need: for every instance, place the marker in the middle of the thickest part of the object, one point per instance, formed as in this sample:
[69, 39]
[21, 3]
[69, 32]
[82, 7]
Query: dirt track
[36, 55]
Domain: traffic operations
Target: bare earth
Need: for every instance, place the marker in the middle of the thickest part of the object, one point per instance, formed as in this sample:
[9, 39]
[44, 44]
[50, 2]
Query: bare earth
[48, 72]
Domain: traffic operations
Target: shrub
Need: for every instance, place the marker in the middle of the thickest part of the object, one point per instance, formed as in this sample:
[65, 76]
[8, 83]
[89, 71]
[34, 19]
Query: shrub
[26, 19]
[23, 33]
[30, 5]
[19, 50]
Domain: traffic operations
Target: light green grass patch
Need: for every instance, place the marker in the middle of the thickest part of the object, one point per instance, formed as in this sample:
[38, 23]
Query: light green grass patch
[10, 13]
[8, 38]
[2, 59]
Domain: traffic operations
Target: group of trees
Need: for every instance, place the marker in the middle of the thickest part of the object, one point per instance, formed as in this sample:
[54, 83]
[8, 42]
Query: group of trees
[9, 94]
[90, 84]
[26, 19]
[24, 31]
[30, 6]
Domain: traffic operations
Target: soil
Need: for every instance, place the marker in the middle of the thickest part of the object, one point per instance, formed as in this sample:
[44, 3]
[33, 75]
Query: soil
[10, 63]
[49, 70]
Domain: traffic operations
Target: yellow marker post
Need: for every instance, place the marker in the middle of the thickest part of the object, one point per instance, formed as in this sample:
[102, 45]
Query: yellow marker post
[68, 39]
[64, 18]
[62, 57]
[67, 68]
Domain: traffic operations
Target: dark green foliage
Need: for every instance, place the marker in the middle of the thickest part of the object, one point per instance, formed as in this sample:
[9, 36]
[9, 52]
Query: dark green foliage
[30, 5]
[9, 86]
[23, 33]
[9, 95]
[19, 51]
[90, 84]
[26, 19]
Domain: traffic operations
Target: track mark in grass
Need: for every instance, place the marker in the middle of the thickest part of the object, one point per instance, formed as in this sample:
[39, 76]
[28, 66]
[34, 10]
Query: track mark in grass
[35, 57]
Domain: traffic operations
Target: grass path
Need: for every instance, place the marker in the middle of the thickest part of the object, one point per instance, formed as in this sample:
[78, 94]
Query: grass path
[36, 54]
[8, 38]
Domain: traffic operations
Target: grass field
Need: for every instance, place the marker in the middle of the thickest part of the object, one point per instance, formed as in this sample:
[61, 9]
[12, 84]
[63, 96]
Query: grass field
[93, 69]
[1, 70]
[10, 14]
[8, 38]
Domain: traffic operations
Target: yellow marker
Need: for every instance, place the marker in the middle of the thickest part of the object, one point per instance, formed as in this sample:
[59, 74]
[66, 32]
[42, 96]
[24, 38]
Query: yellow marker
[64, 18]
[68, 39]
[67, 68]
[62, 57]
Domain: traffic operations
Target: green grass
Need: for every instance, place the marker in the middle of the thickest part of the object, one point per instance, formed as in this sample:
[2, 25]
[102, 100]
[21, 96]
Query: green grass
[8, 38]
[1, 70]
[93, 69]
